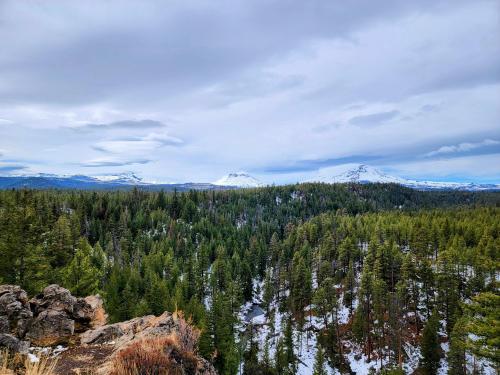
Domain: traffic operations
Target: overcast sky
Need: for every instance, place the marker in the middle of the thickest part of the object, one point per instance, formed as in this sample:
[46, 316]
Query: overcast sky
[284, 89]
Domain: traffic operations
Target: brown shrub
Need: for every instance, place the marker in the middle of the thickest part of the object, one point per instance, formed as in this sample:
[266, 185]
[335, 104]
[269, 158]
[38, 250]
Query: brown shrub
[155, 356]
[15, 364]
[187, 336]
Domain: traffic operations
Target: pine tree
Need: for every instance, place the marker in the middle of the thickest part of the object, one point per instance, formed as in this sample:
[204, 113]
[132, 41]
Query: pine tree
[268, 293]
[250, 359]
[266, 359]
[301, 286]
[157, 294]
[456, 355]
[227, 358]
[349, 282]
[288, 345]
[80, 276]
[483, 315]
[280, 360]
[114, 295]
[430, 347]
[329, 341]
[60, 248]
[319, 362]
[363, 318]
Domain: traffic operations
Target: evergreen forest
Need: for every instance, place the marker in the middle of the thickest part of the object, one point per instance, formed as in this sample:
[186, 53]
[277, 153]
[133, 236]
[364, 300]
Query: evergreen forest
[296, 279]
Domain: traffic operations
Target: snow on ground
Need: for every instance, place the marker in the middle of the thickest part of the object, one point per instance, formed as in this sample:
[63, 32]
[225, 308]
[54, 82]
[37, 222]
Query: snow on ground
[305, 342]
[443, 363]
[343, 312]
[359, 364]
[479, 365]
[413, 355]
[33, 358]
[35, 352]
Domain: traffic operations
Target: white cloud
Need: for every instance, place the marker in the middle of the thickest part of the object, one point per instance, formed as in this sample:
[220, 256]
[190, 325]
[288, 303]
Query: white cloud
[138, 145]
[113, 162]
[462, 147]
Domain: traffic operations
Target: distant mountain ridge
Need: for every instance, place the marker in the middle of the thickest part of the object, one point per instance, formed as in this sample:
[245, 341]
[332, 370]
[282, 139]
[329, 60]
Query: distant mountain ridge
[121, 181]
[363, 174]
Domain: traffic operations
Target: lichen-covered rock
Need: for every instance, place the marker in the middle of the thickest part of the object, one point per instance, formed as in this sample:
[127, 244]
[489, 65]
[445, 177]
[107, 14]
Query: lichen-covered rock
[50, 318]
[51, 327]
[13, 343]
[15, 313]
[119, 333]
[53, 297]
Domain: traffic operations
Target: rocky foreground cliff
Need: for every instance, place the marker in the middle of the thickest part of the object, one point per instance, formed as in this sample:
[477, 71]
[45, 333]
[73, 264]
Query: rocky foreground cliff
[73, 331]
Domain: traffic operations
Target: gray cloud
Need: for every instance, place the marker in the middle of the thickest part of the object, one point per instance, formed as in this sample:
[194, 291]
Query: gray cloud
[97, 57]
[485, 146]
[6, 168]
[267, 86]
[145, 143]
[112, 162]
[325, 128]
[429, 108]
[373, 119]
[126, 125]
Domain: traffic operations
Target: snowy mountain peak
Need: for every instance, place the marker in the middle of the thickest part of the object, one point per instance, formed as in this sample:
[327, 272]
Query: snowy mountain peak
[239, 179]
[367, 174]
[361, 174]
[122, 178]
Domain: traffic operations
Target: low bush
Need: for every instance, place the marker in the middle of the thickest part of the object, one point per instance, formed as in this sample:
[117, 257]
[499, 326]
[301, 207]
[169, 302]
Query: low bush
[12, 364]
[155, 356]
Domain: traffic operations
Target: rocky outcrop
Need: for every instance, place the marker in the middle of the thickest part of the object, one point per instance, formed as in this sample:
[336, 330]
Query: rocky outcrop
[50, 318]
[15, 312]
[140, 332]
[56, 317]
[51, 327]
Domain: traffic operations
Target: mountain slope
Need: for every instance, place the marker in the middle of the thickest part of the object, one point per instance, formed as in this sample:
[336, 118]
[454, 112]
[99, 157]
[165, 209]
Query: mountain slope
[239, 179]
[363, 174]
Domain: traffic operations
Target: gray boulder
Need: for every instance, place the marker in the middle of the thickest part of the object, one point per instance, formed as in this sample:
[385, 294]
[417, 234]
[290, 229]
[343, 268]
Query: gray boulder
[13, 343]
[53, 297]
[58, 316]
[51, 327]
[15, 312]
[50, 318]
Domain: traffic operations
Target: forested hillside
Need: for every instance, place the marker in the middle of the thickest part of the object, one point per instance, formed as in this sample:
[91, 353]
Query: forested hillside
[281, 280]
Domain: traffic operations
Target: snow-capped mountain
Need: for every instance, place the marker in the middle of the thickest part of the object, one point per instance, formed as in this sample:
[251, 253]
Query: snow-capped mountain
[239, 179]
[118, 181]
[366, 174]
[360, 174]
[128, 178]
[349, 174]
[52, 181]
